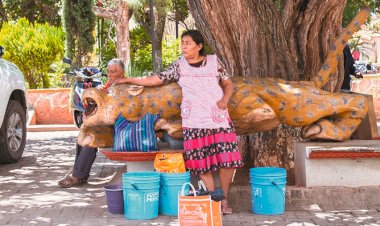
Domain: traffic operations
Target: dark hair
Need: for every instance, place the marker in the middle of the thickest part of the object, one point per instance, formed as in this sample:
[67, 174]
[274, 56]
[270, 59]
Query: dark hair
[197, 38]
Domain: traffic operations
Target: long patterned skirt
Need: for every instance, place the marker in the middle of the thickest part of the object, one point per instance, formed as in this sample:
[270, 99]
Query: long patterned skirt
[207, 150]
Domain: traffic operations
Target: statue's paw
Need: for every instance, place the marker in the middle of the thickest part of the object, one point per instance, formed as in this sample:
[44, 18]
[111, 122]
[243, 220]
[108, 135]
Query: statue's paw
[310, 131]
[176, 133]
[160, 124]
[322, 130]
[85, 139]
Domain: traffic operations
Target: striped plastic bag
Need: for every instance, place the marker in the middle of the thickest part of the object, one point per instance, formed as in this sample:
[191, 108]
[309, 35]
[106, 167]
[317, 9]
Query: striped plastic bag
[135, 136]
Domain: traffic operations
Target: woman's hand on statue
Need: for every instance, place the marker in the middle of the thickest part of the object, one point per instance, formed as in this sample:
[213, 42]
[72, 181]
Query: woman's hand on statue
[120, 81]
[222, 104]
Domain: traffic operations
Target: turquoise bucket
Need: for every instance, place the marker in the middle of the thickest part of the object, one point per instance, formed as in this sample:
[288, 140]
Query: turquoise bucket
[171, 185]
[268, 190]
[141, 195]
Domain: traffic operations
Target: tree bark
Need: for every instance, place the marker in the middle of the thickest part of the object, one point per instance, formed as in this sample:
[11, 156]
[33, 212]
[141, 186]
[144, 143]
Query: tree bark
[158, 34]
[260, 39]
[122, 33]
[120, 15]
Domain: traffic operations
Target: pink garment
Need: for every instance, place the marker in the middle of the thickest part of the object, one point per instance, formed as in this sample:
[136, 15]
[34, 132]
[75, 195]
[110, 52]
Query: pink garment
[356, 54]
[200, 93]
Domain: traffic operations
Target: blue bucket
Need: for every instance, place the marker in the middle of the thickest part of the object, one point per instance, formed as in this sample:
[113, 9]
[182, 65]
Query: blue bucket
[171, 185]
[114, 197]
[141, 195]
[268, 190]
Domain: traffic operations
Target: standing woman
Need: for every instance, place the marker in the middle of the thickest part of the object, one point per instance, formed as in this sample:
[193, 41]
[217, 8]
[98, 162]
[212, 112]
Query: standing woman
[209, 137]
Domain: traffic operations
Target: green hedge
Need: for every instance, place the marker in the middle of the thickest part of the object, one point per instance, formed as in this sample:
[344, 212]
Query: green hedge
[33, 48]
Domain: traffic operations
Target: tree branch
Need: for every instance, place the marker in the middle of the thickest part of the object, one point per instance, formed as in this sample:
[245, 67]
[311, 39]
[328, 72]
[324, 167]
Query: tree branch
[108, 13]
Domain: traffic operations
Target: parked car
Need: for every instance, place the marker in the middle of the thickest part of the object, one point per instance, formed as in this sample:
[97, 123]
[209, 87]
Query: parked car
[13, 111]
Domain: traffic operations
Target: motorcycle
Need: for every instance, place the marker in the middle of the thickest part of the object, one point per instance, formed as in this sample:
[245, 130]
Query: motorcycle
[86, 77]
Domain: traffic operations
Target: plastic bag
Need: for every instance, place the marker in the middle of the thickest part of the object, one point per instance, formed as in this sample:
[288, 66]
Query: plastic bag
[169, 163]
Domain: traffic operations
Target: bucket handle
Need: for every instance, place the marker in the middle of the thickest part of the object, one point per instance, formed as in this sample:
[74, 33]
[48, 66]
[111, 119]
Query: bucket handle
[134, 186]
[183, 188]
[278, 186]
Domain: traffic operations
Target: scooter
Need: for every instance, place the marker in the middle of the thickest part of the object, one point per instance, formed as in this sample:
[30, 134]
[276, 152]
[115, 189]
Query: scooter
[86, 77]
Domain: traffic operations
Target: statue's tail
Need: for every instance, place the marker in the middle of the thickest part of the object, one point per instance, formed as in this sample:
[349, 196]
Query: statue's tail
[331, 62]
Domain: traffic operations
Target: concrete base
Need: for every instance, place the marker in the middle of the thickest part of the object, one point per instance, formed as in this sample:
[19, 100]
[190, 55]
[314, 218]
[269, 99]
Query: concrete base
[337, 171]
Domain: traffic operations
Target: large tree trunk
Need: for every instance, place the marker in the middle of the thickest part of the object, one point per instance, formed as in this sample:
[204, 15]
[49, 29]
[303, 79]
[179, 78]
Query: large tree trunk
[120, 15]
[158, 34]
[122, 32]
[260, 39]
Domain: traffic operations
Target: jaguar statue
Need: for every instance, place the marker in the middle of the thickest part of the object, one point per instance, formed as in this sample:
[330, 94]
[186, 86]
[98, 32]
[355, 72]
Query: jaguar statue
[257, 104]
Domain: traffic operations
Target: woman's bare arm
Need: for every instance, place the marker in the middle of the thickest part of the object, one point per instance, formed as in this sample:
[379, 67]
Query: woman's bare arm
[142, 81]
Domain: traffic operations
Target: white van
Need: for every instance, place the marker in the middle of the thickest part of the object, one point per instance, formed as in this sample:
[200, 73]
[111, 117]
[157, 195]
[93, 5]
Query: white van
[13, 111]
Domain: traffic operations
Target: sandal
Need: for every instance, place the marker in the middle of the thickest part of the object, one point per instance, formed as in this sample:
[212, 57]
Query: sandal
[226, 210]
[71, 181]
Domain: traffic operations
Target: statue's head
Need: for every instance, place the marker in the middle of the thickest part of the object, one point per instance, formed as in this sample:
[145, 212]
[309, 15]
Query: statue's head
[96, 104]
[103, 107]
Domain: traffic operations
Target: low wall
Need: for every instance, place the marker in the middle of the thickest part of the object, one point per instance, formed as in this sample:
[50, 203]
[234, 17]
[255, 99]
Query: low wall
[370, 84]
[51, 106]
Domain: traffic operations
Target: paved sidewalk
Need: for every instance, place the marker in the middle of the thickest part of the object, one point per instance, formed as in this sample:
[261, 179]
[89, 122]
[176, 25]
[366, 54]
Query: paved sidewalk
[29, 194]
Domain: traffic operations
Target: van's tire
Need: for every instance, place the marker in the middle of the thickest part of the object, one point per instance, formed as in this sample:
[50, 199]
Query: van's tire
[13, 133]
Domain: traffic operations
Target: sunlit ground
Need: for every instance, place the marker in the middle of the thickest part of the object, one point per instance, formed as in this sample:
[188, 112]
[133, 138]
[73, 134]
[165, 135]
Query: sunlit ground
[29, 194]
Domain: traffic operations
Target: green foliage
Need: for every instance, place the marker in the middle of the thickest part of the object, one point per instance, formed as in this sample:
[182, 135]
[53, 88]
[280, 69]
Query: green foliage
[33, 48]
[57, 76]
[357, 43]
[42, 11]
[170, 50]
[141, 51]
[132, 70]
[353, 6]
[79, 23]
[179, 7]
[106, 47]
[107, 53]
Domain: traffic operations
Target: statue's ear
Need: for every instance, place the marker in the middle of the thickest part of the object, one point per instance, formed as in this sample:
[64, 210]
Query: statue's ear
[135, 90]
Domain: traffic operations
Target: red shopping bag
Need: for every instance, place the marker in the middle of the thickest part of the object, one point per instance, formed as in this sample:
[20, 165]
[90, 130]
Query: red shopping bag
[198, 210]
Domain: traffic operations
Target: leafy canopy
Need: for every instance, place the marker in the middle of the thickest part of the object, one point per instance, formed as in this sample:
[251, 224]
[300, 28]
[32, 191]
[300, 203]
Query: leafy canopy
[33, 47]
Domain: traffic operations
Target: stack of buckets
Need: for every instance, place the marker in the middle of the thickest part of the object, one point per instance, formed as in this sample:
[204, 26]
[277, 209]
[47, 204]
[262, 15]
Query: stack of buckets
[268, 190]
[148, 193]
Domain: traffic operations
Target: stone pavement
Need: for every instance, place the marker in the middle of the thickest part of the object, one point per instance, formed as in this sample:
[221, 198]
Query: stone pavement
[29, 194]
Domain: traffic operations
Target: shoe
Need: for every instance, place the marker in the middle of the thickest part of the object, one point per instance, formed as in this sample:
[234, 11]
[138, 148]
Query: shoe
[217, 195]
[71, 181]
